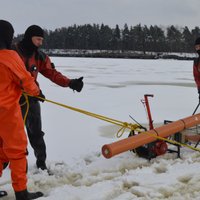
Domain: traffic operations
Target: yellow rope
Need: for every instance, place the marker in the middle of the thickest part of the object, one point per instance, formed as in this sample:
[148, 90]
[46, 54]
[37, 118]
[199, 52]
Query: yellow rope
[124, 125]
[27, 106]
[172, 141]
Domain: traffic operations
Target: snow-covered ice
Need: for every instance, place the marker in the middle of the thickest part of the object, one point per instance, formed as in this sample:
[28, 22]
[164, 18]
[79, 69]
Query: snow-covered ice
[114, 88]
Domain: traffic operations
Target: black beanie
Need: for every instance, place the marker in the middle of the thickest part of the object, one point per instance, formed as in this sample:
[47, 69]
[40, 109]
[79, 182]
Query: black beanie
[34, 30]
[197, 41]
[6, 34]
[26, 45]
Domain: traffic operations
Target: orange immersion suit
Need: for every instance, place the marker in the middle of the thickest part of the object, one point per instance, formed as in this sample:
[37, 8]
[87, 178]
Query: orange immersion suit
[13, 141]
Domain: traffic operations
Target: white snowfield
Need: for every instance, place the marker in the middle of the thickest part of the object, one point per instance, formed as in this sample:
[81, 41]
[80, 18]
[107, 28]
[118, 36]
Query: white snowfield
[114, 88]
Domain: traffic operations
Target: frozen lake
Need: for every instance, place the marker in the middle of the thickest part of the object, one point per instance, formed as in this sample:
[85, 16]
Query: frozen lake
[114, 88]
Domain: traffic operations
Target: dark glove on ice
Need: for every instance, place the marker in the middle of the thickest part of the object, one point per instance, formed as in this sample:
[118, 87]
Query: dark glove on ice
[76, 84]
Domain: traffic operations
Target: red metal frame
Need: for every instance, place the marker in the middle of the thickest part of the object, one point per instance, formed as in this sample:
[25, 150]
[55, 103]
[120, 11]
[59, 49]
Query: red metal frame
[146, 101]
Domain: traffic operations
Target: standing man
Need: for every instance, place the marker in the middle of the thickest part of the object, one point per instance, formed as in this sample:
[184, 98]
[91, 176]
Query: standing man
[196, 66]
[13, 141]
[38, 62]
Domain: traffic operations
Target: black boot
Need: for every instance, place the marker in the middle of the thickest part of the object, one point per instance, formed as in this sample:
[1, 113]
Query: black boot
[41, 165]
[3, 193]
[25, 195]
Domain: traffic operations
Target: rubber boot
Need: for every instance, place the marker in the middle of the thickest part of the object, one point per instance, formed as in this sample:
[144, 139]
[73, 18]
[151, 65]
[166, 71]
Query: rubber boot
[41, 165]
[3, 193]
[25, 195]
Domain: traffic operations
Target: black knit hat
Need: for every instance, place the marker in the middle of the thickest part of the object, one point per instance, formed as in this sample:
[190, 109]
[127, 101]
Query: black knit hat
[6, 34]
[26, 45]
[197, 41]
[34, 30]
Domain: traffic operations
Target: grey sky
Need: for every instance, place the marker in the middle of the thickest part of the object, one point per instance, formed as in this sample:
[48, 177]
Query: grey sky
[51, 14]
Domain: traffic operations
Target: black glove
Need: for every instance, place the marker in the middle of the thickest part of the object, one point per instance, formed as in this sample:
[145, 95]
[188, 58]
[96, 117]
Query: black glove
[40, 95]
[76, 84]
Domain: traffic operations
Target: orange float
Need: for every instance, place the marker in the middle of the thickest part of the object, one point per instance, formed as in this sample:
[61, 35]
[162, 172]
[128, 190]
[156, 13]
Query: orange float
[110, 150]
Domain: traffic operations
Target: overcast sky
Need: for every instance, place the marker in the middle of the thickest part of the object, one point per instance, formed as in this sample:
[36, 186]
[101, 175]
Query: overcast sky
[51, 14]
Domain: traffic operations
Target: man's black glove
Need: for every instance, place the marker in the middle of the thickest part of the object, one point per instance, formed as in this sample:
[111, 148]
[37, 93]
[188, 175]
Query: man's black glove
[76, 84]
[42, 96]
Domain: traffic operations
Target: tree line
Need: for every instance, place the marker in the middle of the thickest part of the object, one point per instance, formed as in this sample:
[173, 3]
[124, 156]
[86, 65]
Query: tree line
[134, 38]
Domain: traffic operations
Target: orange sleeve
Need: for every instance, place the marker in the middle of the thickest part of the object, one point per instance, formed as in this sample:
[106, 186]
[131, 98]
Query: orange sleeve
[26, 81]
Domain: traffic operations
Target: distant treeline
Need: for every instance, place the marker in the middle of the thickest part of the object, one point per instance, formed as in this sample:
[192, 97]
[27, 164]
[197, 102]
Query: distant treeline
[134, 38]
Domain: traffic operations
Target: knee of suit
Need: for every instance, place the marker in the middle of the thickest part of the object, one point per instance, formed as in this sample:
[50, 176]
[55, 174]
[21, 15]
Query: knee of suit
[35, 135]
[14, 153]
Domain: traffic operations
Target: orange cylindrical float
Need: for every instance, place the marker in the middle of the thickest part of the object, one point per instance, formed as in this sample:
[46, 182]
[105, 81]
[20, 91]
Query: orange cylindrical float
[109, 150]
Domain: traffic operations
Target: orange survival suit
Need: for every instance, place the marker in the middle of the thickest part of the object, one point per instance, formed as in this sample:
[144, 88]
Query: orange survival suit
[13, 141]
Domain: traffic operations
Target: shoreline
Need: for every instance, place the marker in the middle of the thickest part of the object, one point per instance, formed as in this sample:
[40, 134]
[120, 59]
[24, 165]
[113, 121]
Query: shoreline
[118, 54]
